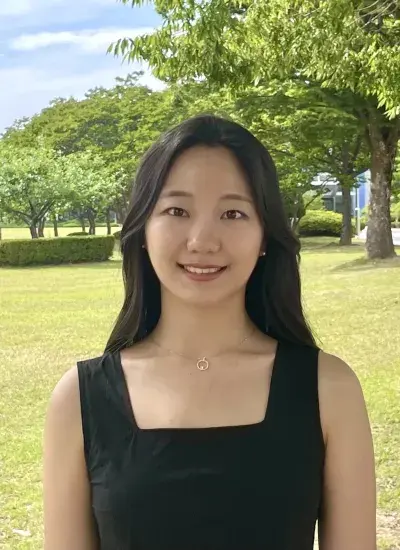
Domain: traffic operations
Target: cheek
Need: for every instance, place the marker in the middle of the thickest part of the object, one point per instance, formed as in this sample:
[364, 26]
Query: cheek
[162, 237]
[245, 241]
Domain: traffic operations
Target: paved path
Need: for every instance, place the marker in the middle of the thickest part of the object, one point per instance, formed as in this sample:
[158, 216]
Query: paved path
[395, 233]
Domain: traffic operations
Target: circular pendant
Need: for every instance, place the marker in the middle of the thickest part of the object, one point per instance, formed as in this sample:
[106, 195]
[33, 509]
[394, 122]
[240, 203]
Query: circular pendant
[202, 364]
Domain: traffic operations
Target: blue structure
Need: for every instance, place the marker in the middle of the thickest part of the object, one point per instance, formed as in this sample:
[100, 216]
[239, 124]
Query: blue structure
[362, 192]
[333, 195]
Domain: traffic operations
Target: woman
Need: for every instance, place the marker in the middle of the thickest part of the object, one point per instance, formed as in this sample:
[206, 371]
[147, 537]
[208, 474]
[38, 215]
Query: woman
[212, 421]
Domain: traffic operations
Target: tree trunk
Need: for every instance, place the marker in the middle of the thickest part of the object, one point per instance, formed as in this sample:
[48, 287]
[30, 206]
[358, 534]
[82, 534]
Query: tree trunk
[347, 229]
[92, 223]
[120, 212]
[33, 230]
[108, 220]
[82, 220]
[383, 152]
[55, 226]
[41, 225]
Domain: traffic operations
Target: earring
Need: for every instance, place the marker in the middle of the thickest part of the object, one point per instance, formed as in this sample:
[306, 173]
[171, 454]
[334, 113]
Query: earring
[144, 246]
[262, 254]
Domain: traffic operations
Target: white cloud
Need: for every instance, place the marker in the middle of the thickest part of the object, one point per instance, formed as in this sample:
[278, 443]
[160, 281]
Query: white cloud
[88, 40]
[22, 7]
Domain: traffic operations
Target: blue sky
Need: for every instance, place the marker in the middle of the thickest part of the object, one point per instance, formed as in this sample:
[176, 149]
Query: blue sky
[57, 48]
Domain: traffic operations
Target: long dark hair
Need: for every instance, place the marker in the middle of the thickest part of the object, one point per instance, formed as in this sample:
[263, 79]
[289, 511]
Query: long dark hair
[273, 293]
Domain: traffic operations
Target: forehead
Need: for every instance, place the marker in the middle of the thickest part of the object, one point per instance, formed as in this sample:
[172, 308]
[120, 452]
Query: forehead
[208, 169]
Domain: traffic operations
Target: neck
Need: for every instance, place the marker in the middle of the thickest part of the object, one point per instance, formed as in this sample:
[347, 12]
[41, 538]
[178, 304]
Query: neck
[202, 330]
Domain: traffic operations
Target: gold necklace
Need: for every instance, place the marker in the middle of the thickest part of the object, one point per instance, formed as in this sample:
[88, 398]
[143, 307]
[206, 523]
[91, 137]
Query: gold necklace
[203, 363]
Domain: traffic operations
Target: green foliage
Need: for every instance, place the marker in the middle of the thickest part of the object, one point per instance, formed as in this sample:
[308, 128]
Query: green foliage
[313, 201]
[321, 223]
[342, 54]
[92, 186]
[32, 181]
[56, 251]
[395, 214]
[333, 42]
[293, 203]
[36, 180]
[116, 124]
[106, 134]
[78, 234]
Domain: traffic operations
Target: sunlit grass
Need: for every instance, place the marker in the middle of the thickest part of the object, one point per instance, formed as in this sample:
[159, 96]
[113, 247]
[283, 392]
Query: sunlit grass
[53, 316]
[48, 232]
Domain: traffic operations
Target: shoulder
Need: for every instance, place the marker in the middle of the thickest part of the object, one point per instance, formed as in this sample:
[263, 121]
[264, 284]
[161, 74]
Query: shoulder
[340, 393]
[336, 377]
[65, 401]
[63, 424]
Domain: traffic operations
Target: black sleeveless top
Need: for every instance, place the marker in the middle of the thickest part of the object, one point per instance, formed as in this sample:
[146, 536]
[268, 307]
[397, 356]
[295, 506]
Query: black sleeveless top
[254, 487]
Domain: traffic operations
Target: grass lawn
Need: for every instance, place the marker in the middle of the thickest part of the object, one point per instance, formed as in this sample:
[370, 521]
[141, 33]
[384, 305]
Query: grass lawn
[24, 233]
[53, 316]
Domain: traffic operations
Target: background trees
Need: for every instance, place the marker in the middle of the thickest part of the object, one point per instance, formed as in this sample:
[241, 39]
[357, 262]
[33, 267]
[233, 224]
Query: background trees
[348, 50]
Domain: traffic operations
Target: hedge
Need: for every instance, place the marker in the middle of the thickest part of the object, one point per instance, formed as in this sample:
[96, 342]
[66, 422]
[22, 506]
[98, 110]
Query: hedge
[321, 222]
[78, 234]
[61, 250]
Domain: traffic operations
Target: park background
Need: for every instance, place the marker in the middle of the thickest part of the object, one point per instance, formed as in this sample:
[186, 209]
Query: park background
[75, 123]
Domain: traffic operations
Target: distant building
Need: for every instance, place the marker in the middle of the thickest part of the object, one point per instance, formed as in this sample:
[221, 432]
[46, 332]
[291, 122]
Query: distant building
[333, 195]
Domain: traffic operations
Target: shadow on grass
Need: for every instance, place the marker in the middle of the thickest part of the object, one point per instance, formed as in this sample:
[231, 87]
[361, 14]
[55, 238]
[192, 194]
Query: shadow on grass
[363, 264]
[327, 245]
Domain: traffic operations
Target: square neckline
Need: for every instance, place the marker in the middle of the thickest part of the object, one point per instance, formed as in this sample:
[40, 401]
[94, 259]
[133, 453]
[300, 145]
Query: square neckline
[129, 408]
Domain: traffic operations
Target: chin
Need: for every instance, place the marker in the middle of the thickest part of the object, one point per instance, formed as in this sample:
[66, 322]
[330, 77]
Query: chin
[202, 297]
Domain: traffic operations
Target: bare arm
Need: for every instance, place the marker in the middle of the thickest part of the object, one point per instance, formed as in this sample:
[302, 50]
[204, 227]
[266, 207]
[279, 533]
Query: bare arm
[68, 519]
[348, 519]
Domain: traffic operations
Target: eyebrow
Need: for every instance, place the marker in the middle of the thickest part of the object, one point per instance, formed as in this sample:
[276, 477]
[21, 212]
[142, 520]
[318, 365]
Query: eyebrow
[228, 196]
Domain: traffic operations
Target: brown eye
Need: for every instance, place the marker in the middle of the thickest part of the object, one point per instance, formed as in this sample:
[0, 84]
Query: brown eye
[177, 212]
[234, 215]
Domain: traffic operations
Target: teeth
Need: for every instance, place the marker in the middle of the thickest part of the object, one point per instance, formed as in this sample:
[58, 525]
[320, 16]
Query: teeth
[199, 270]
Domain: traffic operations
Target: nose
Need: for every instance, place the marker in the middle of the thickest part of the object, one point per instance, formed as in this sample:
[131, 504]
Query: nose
[203, 238]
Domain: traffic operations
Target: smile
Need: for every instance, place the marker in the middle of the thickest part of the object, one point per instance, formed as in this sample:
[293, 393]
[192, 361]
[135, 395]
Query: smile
[202, 270]
[202, 273]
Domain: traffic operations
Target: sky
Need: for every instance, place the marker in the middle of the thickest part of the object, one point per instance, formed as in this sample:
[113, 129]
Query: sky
[58, 48]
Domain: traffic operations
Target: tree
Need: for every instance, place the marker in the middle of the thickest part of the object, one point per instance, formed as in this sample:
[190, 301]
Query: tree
[304, 137]
[347, 49]
[116, 125]
[93, 187]
[31, 182]
[35, 182]
[309, 137]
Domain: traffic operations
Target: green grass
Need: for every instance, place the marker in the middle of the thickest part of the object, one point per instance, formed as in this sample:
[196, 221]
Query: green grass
[53, 316]
[24, 233]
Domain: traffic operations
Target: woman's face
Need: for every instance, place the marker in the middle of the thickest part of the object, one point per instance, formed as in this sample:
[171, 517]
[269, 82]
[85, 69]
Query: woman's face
[204, 236]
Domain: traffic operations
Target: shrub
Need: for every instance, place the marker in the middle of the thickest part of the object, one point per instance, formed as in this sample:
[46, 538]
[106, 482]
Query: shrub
[56, 251]
[117, 235]
[321, 222]
[78, 234]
